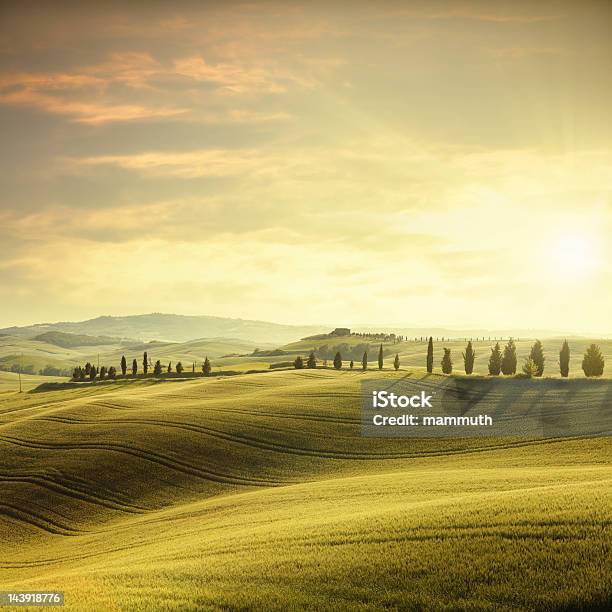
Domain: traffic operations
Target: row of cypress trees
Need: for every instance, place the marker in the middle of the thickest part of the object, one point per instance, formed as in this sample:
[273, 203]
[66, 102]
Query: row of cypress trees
[505, 362]
[91, 372]
[298, 364]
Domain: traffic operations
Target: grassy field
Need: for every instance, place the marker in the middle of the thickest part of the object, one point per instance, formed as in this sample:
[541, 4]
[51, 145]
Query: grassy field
[35, 355]
[413, 354]
[258, 491]
[232, 354]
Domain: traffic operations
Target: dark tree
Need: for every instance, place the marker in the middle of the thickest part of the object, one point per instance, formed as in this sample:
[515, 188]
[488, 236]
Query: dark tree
[396, 362]
[123, 365]
[430, 355]
[157, 368]
[76, 374]
[112, 372]
[312, 361]
[87, 368]
[92, 372]
[179, 368]
[206, 367]
[593, 362]
[495, 361]
[298, 364]
[537, 354]
[145, 363]
[364, 361]
[352, 364]
[564, 359]
[169, 367]
[468, 358]
[102, 372]
[508, 364]
[338, 361]
[134, 367]
[380, 358]
[447, 362]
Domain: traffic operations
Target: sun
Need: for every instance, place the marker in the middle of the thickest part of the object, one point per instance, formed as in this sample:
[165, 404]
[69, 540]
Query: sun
[572, 257]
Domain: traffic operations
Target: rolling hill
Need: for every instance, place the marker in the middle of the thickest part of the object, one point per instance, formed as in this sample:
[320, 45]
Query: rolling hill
[258, 491]
[173, 328]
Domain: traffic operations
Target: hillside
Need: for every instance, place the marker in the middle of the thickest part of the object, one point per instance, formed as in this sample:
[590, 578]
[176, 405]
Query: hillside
[69, 340]
[175, 328]
[32, 355]
[259, 489]
[413, 354]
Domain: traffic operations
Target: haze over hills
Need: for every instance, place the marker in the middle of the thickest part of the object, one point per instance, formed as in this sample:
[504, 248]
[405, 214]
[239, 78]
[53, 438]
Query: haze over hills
[174, 328]
[183, 328]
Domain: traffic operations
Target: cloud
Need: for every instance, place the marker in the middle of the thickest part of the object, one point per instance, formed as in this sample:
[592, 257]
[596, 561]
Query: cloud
[191, 164]
[86, 112]
[232, 78]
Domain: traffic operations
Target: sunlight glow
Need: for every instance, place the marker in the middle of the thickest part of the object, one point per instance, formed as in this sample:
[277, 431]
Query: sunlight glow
[572, 257]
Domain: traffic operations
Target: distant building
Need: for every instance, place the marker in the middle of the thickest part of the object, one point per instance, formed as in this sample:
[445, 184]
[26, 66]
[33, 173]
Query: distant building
[341, 331]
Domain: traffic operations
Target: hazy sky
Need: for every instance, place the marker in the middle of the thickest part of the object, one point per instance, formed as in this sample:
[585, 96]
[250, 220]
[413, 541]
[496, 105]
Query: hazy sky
[434, 163]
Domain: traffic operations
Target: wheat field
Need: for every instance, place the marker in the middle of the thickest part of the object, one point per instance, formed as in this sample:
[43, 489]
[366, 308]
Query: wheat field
[258, 492]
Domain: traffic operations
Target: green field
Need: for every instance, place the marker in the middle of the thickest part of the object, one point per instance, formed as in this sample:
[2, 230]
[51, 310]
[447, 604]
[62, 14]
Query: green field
[231, 354]
[257, 491]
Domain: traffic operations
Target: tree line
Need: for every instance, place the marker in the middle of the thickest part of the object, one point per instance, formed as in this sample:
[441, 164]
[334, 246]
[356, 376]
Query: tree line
[91, 372]
[311, 362]
[500, 362]
[505, 362]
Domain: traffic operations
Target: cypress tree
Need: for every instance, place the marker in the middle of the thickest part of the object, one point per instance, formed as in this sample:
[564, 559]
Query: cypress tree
[508, 364]
[430, 355]
[157, 368]
[380, 358]
[298, 364]
[169, 367]
[468, 358]
[364, 361]
[312, 361]
[206, 368]
[396, 362]
[102, 372]
[92, 372]
[564, 359]
[134, 367]
[87, 368]
[179, 368]
[145, 363]
[537, 354]
[338, 361]
[495, 361]
[530, 368]
[112, 372]
[447, 362]
[593, 362]
[352, 364]
[123, 365]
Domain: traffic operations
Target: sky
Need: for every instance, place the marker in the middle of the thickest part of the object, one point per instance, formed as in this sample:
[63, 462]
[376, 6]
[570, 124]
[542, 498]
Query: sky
[441, 164]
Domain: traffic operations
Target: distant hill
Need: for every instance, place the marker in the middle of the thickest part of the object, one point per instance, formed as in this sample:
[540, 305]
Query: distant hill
[69, 340]
[174, 328]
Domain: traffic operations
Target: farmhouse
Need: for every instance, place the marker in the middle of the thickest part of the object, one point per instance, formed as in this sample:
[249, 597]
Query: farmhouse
[341, 331]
